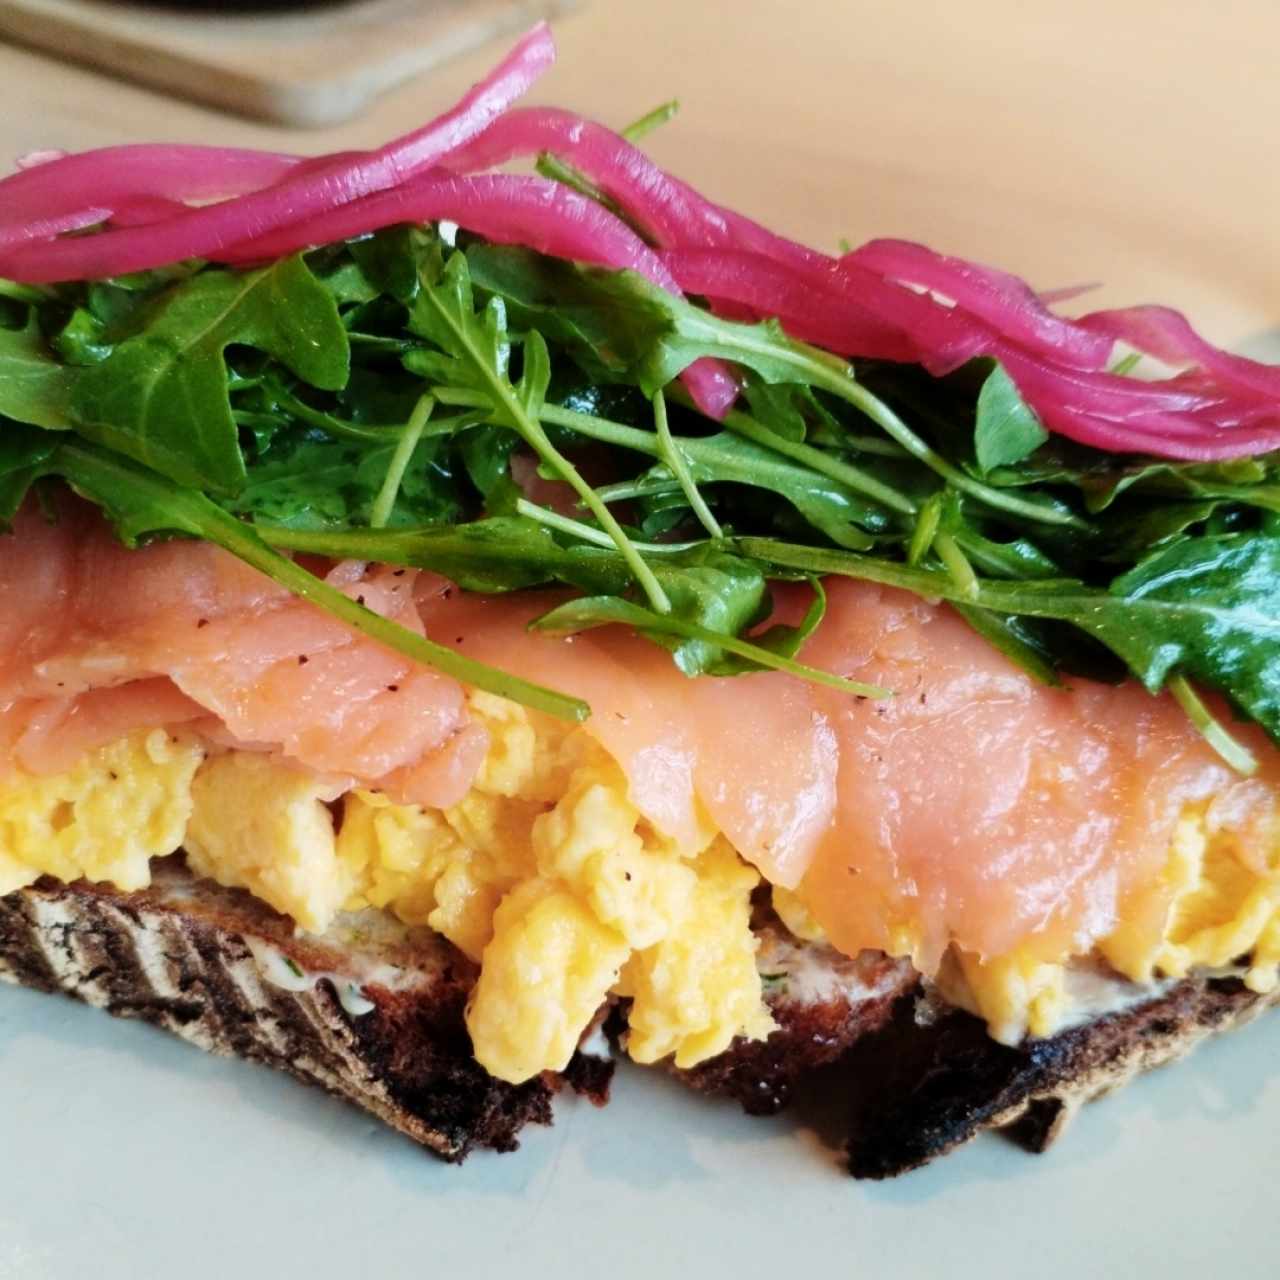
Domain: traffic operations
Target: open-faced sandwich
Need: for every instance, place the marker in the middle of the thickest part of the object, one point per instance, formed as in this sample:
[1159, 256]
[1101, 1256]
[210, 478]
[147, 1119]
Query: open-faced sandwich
[448, 613]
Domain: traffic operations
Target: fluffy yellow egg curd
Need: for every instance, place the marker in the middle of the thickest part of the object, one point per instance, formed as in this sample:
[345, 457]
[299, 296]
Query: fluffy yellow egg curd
[544, 874]
[548, 877]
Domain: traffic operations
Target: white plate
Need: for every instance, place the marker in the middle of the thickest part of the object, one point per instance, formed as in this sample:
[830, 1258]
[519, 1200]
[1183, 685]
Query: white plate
[128, 1155]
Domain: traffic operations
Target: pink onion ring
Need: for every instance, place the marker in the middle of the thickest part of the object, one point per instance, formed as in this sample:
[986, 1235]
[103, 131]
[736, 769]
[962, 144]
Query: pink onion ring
[1168, 335]
[1006, 303]
[206, 231]
[63, 186]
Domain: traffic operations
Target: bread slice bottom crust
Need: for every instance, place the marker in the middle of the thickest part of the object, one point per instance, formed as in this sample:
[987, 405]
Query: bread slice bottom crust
[920, 1091]
[192, 958]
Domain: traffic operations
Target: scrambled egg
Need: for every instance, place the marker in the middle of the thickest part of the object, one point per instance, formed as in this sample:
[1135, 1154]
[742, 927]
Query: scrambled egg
[257, 824]
[105, 819]
[548, 878]
[544, 874]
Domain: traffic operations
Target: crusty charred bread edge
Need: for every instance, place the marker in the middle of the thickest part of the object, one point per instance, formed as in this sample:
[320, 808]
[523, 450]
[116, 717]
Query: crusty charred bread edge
[920, 1091]
[181, 962]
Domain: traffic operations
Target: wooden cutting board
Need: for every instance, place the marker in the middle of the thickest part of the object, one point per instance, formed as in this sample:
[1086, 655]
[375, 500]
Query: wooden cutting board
[307, 67]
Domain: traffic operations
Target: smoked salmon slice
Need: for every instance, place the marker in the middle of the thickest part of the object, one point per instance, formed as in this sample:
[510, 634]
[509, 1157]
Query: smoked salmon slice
[976, 807]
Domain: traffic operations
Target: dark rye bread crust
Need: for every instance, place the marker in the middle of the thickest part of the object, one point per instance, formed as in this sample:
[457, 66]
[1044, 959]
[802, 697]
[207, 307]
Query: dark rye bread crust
[920, 1091]
[176, 956]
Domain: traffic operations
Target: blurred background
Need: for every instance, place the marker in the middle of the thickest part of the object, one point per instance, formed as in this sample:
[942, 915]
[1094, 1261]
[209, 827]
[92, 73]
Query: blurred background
[1075, 142]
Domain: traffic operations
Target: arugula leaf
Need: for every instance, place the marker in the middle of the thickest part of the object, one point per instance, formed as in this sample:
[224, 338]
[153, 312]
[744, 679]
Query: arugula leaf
[24, 457]
[83, 339]
[1209, 608]
[1006, 430]
[776, 405]
[1015, 639]
[779, 638]
[308, 483]
[723, 595]
[161, 396]
[34, 387]
[568, 307]
[389, 259]
[1231, 481]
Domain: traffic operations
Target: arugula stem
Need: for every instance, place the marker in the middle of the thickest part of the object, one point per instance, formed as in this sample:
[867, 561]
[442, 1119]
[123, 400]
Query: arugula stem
[104, 477]
[576, 529]
[553, 167]
[591, 500]
[20, 292]
[646, 619]
[409, 438]
[655, 119]
[1235, 753]
[448, 661]
[640, 487]
[673, 456]
[877, 445]
[956, 564]
[833, 468]
[1001, 595]
[333, 426]
[374, 342]
[926, 528]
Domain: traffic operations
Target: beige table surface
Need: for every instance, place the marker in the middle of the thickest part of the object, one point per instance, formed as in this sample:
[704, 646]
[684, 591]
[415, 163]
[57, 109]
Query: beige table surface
[1132, 143]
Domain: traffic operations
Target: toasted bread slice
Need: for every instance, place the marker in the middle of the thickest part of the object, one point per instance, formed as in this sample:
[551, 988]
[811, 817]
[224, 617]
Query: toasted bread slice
[372, 1011]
